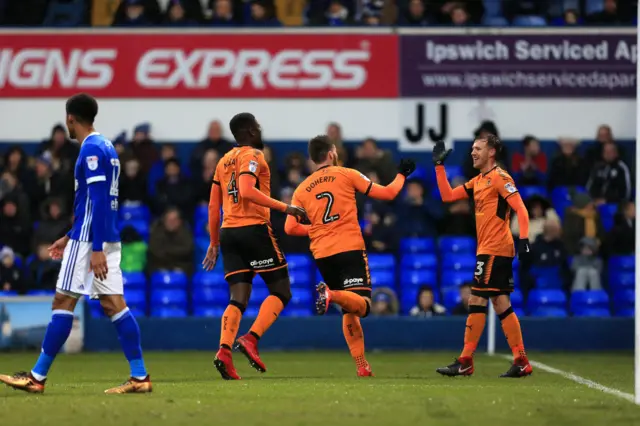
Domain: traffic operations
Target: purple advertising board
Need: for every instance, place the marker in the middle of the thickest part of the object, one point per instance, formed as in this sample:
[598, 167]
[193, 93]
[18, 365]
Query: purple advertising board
[528, 65]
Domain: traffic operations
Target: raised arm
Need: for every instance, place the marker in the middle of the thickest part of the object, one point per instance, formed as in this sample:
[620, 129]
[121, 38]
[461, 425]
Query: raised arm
[386, 193]
[448, 194]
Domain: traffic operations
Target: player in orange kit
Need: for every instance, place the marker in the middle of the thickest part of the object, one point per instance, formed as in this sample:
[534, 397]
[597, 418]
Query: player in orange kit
[328, 197]
[494, 196]
[241, 185]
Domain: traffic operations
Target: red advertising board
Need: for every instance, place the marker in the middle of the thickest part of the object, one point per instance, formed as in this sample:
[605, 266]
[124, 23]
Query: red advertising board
[199, 65]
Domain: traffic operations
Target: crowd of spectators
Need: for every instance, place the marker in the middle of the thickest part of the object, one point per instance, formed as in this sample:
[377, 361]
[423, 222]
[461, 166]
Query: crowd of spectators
[36, 206]
[333, 13]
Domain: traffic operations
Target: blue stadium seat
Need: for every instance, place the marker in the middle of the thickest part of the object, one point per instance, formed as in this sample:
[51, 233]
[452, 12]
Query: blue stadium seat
[201, 214]
[561, 197]
[547, 277]
[299, 261]
[607, 214]
[454, 278]
[140, 225]
[457, 245]
[209, 279]
[494, 21]
[136, 298]
[417, 245]
[593, 6]
[424, 175]
[68, 13]
[301, 298]
[591, 299]
[625, 313]
[592, 312]
[547, 298]
[137, 312]
[169, 298]
[381, 261]
[528, 191]
[621, 279]
[383, 278]
[461, 262]
[207, 296]
[418, 278]
[623, 263]
[520, 312]
[258, 294]
[134, 280]
[297, 312]
[419, 261]
[624, 299]
[251, 312]
[318, 276]
[169, 279]
[134, 212]
[300, 278]
[492, 8]
[162, 312]
[95, 309]
[41, 293]
[208, 311]
[9, 293]
[549, 311]
[517, 301]
[451, 298]
[529, 21]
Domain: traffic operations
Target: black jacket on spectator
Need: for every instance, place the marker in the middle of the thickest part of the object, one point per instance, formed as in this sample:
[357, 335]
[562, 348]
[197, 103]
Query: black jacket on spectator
[177, 193]
[611, 182]
[622, 238]
[568, 171]
[43, 274]
[39, 189]
[133, 189]
[15, 231]
[12, 276]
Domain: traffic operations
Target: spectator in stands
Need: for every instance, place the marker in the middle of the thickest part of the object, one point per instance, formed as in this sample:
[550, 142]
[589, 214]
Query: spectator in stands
[170, 244]
[458, 218]
[443, 10]
[288, 243]
[417, 216]
[177, 16]
[369, 157]
[15, 162]
[334, 132]
[462, 308]
[133, 184]
[385, 302]
[119, 143]
[46, 184]
[144, 148]
[569, 18]
[43, 271]
[581, 220]
[414, 16]
[609, 15]
[529, 167]
[520, 8]
[610, 180]
[134, 250]
[203, 182]
[11, 276]
[63, 152]
[15, 227]
[155, 175]
[214, 140]
[135, 13]
[604, 136]
[425, 304]
[335, 15]
[295, 170]
[587, 266]
[174, 190]
[548, 251]
[379, 231]
[263, 14]
[622, 238]
[568, 168]
[459, 16]
[370, 19]
[10, 188]
[222, 14]
[54, 224]
[540, 210]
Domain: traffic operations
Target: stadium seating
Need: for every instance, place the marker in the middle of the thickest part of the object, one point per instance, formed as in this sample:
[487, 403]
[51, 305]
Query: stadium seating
[383, 278]
[208, 311]
[528, 191]
[547, 277]
[41, 293]
[172, 312]
[592, 312]
[418, 278]
[451, 297]
[300, 278]
[419, 261]
[300, 299]
[457, 245]
[68, 13]
[549, 311]
[591, 299]
[172, 298]
[607, 214]
[134, 280]
[529, 21]
[461, 262]
[297, 312]
[9, 293]
[624, 302]
[299, 262]
[134, 212]
[454, 278]
[258, 294]
[561, 198]
[546, 298]
[207, 296]
[621, 279]
[517, 300]
[209, 279]
[136, 299]
[169, 279]
[623, 263]
[417, 245]
[140, 225]
[381, 262]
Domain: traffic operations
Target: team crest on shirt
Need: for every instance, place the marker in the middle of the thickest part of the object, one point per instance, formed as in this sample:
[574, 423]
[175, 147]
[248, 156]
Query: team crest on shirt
[489, 182]
[510, 188]
[92, 162]
[253, 166]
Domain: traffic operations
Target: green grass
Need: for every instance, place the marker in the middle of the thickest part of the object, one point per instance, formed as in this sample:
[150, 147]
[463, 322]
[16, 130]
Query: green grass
[321, 389]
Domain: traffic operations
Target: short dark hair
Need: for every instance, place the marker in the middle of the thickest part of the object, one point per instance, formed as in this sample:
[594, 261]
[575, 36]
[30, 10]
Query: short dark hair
[241, 123]
[493, 142]
[528, 139]
[319, 148]
[83, 107]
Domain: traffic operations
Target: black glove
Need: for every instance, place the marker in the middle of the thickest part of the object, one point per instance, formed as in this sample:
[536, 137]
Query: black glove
[299, 213]
[440, 153]
[524, 249]
[406, 166]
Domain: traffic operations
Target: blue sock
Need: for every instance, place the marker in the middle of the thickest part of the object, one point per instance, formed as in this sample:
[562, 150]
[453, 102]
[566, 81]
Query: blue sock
[57, 333]
[129, 335]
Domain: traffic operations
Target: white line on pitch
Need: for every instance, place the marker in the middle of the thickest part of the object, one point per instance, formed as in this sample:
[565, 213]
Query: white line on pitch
[581, 380]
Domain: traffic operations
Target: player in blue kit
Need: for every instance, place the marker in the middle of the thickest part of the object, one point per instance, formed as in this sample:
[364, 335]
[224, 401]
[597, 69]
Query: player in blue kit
[90, 253]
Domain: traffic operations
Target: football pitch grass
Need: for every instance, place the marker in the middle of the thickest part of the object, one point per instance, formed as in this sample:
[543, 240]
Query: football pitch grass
[318, 388]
